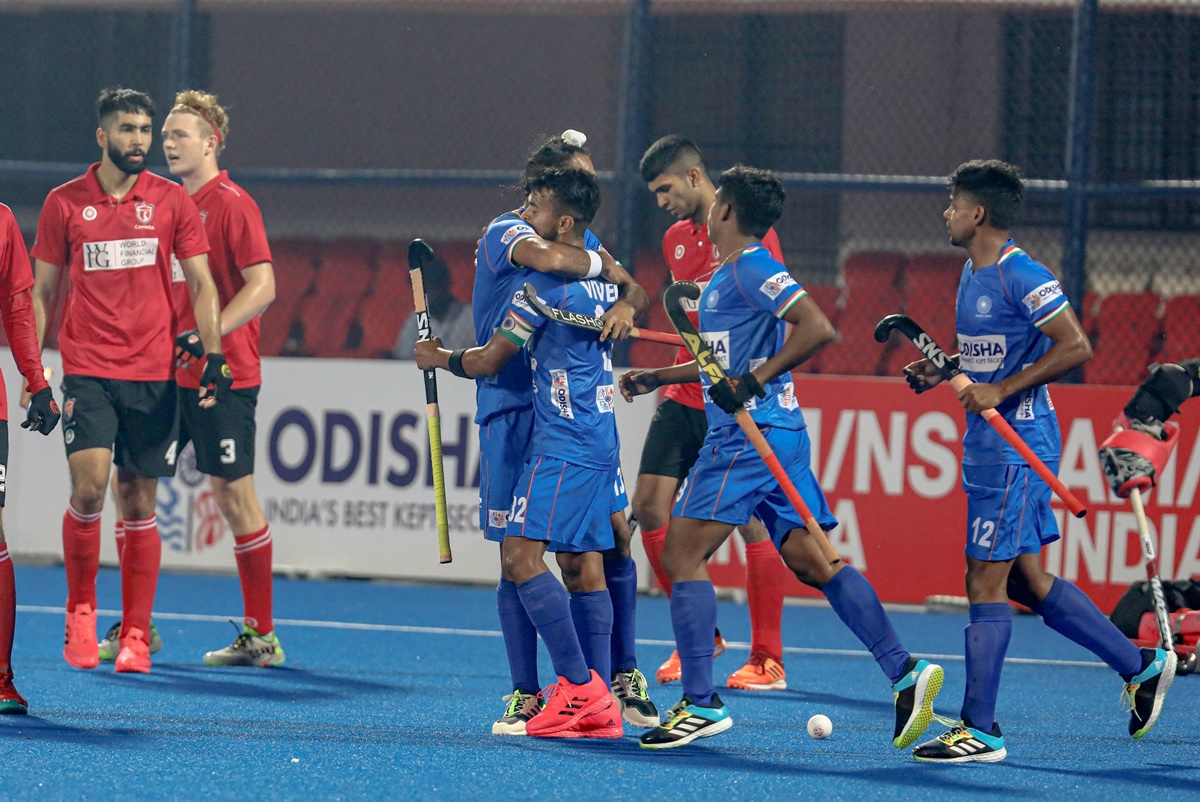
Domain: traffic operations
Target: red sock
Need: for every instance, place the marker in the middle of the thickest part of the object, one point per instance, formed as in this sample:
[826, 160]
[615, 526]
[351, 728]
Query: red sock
[119, 531]
[253, 553]
[81, 554]
[8, 610]
[765, 573]
[652, 541]
[139, 574]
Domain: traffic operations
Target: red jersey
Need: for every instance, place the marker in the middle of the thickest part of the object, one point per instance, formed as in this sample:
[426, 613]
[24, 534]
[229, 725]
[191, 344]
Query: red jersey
[118, 321]
[16, 306]
[691, 256]
[235, 230]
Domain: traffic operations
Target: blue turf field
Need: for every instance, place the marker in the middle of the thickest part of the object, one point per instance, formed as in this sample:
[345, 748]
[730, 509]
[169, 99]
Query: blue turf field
[390, 690]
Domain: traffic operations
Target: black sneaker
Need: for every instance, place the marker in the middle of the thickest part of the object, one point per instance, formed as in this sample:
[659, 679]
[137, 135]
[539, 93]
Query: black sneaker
[522, 706]
[913, 696]
[629, 689]
[963, 744]
[686, 722]
[1143, 695]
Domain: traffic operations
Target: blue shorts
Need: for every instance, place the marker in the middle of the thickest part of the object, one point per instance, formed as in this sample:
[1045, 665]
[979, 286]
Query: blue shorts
[1008, 511]
[619, 500]
[504, 445]
[731, 483]
[566, 505]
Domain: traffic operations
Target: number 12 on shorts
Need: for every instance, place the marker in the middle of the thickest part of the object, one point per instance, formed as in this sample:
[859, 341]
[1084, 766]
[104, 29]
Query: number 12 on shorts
[981, 532]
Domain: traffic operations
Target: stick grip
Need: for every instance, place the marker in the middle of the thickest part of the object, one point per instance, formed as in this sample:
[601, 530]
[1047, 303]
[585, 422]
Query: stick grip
[433, 416]
[1006, 431]
[657, 336]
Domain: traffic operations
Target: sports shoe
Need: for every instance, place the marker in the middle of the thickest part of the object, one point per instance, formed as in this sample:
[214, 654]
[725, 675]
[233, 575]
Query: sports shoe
[80, 648]
[134, 657]
[913, 698]
[963, 744]
[672, 669]
[686, 722]
[762, 672]
[249, 648]
[1142, 696]
[110, 644]
[11, 702]
[629, 689]
[522, 706]
[568, 705]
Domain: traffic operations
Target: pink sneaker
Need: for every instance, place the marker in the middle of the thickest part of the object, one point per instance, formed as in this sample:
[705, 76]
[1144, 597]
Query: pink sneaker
[134, 656]
[80, 647]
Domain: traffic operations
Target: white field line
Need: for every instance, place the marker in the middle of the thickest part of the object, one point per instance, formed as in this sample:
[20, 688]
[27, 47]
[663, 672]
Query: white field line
[492, 633]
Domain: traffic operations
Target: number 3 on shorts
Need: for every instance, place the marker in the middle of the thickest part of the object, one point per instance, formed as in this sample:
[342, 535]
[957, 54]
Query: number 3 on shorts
[228, 451]
[988, 528]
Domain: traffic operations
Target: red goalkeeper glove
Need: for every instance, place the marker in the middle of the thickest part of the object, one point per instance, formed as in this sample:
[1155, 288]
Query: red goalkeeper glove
[1134, 457]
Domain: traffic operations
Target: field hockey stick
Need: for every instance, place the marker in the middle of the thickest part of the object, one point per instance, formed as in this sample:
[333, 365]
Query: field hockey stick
[1165, 639]
[958, 380]
[591, 323]
[672, 299]
[419, 253]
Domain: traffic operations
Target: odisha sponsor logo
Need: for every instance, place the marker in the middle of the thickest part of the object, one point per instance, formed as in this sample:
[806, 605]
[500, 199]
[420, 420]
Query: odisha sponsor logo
[982, 349]
[1044, 293]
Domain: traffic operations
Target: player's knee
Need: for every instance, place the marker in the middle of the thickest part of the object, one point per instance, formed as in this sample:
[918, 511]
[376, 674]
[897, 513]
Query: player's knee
[87, 496]
[650, 514]
[811, 572]
[518, 567]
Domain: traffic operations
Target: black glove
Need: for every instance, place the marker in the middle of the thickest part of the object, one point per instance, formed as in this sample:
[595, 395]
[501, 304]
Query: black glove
[188, 349]
[43, 412]
[732, 392]
[217, 378]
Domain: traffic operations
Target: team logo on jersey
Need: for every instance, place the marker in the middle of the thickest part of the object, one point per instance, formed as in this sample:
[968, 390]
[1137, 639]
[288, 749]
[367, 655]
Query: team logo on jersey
[679, 251]
[777, 284]
[119, 254]
[604, 398]
[144, 212]
[204, 216]
[983, 304]
[1042, 296]
[511, 234]
[982, 354]
[519, 301]
[560, 394]
[89, 213]
[714, 298]
[497, 519]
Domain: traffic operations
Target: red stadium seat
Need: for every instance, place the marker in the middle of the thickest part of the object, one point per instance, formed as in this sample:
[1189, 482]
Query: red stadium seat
[872, 292]
[346, 273]
[1126, 337]
[826, 298]
[1181, 329]
[930, 293]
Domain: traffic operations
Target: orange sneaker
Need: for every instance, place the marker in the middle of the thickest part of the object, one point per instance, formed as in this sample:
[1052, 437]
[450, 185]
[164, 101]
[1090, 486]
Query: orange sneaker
[134, 657]
[80, 647]
[762, 672]
[672, 669]
[11, 702]
[568, 706]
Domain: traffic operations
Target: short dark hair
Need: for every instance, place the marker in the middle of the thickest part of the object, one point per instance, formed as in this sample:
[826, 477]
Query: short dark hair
[756, 196]
[995, 185]
[672, 152]
[549, 154]
[118, 98]
[576, 192]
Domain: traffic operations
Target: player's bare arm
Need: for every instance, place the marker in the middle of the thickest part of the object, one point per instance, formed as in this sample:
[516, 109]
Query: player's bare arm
[1070, 350]
[640, 382]
[252, 299]
[811, 331]
[557, 259]
[485, 360]
[205, 302]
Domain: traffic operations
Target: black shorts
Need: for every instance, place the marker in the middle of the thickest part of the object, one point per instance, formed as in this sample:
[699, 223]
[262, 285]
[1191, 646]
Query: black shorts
[137, 421]
[223, 435]
[676, 434]
[3, 460]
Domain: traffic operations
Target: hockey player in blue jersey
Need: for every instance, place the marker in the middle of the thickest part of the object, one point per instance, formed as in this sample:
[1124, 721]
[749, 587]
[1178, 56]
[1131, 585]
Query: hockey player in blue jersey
[509, 252]
[1016, 333]
[569, 490]
[744, 311]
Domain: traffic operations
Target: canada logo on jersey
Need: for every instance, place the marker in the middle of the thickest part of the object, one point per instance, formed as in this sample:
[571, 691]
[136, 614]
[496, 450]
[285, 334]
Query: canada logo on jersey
[144, 212]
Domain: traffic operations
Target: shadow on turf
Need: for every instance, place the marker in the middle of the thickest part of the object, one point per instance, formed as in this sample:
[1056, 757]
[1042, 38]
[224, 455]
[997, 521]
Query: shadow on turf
[280, 684]
[1143, 777]
[37, 728]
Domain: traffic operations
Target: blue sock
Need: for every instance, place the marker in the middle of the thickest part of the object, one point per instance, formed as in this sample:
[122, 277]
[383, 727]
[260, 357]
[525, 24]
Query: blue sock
[621, 576]
[593, 615]
[520, 637]
[987, 641]
[546, 603]
[694, 617]
[854, 600]
[1069, 612]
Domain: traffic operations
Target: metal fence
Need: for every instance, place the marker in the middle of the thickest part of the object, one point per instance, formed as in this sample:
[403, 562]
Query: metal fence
[360, 124]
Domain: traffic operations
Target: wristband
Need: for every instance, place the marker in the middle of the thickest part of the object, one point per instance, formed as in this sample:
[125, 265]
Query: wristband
[596, 264]
[456, 366]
